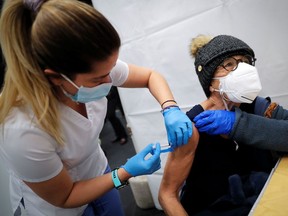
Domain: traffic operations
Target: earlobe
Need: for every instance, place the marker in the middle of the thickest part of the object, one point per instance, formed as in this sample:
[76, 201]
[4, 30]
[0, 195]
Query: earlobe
[211, 89]
[53, 76]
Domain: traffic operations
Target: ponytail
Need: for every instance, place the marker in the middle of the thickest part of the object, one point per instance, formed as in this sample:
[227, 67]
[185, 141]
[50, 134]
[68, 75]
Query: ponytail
[24, 82]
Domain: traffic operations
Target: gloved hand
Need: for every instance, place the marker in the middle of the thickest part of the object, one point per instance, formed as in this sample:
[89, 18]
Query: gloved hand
[138, 165]
[178, 126]
[215, 122]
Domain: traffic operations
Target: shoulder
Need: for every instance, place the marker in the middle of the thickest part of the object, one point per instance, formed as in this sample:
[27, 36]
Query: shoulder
[119, 73]
[192, 113]
[258, 106]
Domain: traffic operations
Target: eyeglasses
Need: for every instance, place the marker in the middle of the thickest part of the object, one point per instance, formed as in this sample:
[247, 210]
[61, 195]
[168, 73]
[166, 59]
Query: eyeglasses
[231, 64]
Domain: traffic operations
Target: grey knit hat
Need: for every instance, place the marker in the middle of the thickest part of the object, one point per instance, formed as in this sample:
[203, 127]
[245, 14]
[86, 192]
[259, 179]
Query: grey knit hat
[214, 53]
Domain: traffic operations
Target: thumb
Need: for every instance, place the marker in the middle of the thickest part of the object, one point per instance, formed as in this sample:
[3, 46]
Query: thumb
[148, 149]
[157, 149]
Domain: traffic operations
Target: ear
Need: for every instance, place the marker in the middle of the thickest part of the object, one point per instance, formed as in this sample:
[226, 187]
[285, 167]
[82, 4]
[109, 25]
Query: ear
[54, 77]
[211, 89]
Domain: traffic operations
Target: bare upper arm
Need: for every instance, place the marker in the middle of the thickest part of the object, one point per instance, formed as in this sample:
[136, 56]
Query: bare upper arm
[55, 190]
[176, 171]
[179, 163]
[138, 77]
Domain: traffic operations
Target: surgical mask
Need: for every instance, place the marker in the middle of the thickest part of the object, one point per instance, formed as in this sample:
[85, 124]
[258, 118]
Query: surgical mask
[241, 85]
[85, 94]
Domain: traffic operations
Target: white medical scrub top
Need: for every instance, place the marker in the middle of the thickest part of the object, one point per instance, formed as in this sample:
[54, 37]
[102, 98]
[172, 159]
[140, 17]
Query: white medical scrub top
[32, 155]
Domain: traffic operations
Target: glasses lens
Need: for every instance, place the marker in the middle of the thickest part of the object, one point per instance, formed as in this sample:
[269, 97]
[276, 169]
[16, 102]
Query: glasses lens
[249, 60]
[230, 64]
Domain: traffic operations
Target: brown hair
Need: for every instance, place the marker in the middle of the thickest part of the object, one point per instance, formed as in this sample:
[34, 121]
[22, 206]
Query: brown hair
[65, 36]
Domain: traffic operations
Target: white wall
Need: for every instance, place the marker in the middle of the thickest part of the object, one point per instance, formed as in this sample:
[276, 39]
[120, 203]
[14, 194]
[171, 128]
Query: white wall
[157, 34]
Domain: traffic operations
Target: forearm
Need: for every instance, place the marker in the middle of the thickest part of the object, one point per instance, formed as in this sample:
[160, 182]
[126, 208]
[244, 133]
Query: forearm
[84, 192]
[159, 89]
[172, 206]
[140, 77]
[60, 191]
[175, 174]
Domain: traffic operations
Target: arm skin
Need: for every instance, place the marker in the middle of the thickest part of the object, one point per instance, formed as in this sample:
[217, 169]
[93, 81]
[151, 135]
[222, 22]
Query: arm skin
[62, 192]
[266, 133]
[176, 171]
[140, 77]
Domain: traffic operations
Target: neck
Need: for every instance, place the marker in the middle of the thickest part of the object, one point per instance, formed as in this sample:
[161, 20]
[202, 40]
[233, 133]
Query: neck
[78, 107]
[215, 102]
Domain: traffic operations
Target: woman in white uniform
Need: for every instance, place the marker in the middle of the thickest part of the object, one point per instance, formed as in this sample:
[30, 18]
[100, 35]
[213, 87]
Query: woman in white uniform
[62, 59]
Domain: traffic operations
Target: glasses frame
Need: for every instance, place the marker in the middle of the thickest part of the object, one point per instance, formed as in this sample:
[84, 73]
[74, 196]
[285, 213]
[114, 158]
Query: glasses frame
[251, 60]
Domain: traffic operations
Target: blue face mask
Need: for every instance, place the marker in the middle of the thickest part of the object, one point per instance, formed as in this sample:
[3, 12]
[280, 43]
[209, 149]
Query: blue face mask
[85, 94]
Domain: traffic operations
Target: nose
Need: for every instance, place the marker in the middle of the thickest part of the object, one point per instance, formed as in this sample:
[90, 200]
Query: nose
[240, 60]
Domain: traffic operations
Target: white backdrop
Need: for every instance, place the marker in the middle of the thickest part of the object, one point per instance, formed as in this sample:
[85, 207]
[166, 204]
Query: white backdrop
[157, 34]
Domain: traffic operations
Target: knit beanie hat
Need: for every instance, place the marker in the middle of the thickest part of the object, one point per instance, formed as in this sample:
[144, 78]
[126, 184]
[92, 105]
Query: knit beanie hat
[214, 53]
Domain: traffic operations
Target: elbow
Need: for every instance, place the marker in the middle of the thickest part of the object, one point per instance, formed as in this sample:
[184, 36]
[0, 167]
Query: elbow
[161, 197]
[166, 195]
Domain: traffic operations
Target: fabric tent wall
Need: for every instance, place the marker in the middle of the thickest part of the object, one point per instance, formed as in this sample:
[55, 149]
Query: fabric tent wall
[157, 34]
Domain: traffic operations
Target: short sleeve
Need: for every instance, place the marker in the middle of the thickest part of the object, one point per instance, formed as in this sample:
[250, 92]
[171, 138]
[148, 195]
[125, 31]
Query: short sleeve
[119, 73]
[31, 154]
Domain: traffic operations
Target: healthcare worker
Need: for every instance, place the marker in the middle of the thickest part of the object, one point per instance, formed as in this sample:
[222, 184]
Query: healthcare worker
[62, 59]
[227, 174]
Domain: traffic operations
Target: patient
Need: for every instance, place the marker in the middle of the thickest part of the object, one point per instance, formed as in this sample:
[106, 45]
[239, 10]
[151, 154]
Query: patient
[228, 171]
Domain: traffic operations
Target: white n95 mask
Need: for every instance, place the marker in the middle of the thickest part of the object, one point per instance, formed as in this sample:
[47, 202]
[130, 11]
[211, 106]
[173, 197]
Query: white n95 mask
[241, 85]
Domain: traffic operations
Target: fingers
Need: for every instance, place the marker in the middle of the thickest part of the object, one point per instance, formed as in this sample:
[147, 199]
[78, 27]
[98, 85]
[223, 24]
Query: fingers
[178, 126]
[148, 149]
[187, 133]
[208, 129]
[156, 149]
[172, 138]
[204, 119]
[154, 162]
[181, 135]
[190, 128]
[203, 114]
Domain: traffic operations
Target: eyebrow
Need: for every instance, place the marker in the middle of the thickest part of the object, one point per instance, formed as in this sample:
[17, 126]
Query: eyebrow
[101, 77]
[105, 75]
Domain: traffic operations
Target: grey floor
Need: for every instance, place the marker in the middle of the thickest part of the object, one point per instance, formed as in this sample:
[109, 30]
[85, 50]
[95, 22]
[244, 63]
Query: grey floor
[117, 155]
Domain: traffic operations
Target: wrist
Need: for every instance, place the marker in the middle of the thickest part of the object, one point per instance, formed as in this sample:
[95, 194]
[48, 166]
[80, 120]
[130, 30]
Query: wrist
[117, 180]
[168, 103]
[123, 174]
[171, 107]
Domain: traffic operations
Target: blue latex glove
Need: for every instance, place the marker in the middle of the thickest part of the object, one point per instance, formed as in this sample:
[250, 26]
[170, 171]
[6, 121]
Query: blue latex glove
[178, 126]
[215, 122]
[138, 165]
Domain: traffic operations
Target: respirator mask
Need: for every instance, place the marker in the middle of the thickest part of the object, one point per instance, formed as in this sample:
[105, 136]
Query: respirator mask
[241, 85]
